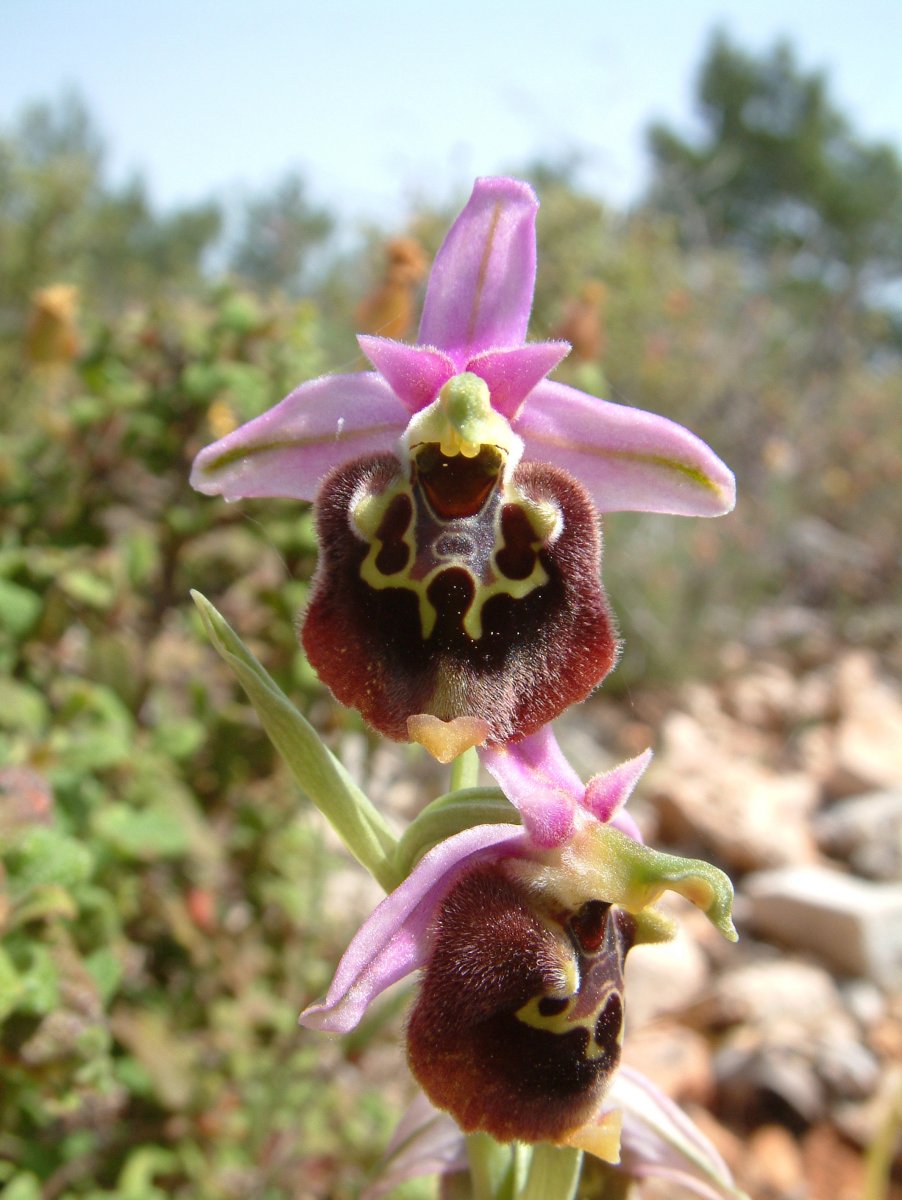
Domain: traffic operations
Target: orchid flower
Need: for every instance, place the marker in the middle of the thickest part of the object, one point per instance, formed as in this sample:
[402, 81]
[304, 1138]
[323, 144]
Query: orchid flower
[521, 931]
[457, 600]
[658, 1141]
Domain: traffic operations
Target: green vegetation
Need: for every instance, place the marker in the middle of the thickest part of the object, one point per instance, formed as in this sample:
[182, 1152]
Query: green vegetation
[166, 896]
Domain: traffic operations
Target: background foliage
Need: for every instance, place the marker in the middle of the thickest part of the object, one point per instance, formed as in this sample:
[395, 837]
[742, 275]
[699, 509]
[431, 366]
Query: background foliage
[166, 902]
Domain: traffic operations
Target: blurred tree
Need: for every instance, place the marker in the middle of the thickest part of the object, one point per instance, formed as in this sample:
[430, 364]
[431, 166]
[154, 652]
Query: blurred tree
[61, 221]
[278, 233]
[777, 167]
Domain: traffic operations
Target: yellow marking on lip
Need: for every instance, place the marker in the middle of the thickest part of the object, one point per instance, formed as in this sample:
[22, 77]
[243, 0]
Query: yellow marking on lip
[515, 588]
[366, 518]
[530, 1014]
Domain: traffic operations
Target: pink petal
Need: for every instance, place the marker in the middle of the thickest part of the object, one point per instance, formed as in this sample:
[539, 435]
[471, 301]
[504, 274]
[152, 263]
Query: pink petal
[480, 289]
[606, 794]
[539, 782]
[393, 941]
[512, 374]
[288, 450]
[628, 459]
[660, 1141]
[425, 1142]
[416, 374]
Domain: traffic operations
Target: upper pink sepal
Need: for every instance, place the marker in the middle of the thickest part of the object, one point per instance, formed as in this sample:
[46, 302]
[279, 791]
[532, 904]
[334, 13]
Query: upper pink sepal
[416, 373]
[627, 459]
[513, 373]
[289, 449]
[480, 290]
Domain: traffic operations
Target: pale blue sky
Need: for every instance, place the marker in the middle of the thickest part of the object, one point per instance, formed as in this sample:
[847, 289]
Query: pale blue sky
[379, 101]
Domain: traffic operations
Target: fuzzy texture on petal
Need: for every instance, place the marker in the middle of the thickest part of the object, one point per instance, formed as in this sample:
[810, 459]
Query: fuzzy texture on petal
[539, 781]
[458, 617]
[606, 795]
[393, 941]
[518, 1022]
[512, 374]
[289, 449]
[627, 459]
[416, 374]
[480, 290]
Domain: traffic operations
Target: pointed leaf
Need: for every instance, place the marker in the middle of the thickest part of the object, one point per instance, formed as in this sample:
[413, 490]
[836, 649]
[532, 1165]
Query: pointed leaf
[319, 773]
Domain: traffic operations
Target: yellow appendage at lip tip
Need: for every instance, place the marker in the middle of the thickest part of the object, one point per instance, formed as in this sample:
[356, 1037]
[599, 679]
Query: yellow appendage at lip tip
[445, 740]
[600, 1137]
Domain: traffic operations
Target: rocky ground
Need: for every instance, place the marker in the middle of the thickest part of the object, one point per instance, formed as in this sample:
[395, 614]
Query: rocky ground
[788, 1047]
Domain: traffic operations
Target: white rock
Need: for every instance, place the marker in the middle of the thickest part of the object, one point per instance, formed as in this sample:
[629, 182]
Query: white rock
[853, 925]
[869, 733]
[866, 832]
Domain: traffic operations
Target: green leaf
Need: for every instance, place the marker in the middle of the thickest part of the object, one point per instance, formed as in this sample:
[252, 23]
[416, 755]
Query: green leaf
[143, 834]
[23, 1186]
[11, 986]
[318, 772]
[105, 968]
[451, 814]
[43, 856]
[142, 1165]
[84, 587]
[42, 903]
[22, 707]
[19, 608]
[179, 739]
[40, 983]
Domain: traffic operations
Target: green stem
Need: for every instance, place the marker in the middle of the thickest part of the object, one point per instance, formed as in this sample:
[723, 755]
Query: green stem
[465, 770]
[554, 1171]
[490, 1166]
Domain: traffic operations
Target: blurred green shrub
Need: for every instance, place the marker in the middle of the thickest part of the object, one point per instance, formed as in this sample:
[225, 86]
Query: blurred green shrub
[161, 884]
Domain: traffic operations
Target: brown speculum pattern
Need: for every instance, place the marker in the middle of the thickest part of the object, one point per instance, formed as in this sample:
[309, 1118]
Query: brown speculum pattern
[443, 589]
[519, 1020]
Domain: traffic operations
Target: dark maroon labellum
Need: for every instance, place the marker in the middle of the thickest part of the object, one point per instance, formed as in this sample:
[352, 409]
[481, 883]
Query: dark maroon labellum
[517, 1027]
[456, 596]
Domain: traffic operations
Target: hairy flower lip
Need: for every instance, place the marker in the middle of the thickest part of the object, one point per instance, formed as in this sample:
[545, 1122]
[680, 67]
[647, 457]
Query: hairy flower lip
[474, 319]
